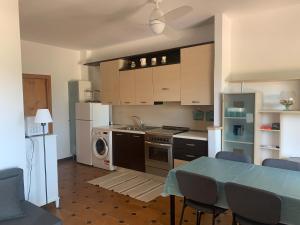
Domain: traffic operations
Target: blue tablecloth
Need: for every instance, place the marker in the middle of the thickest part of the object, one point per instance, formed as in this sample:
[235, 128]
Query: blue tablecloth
[284, 183]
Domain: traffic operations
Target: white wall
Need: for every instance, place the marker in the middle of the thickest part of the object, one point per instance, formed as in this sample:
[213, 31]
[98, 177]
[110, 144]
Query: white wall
[222, 61]
[62, 65]
[172, 114]
[267, 41]
[12, 140]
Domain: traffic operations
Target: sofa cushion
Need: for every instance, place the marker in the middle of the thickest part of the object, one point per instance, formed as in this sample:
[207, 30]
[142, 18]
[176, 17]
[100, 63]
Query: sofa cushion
[10, 204]
[33, 216]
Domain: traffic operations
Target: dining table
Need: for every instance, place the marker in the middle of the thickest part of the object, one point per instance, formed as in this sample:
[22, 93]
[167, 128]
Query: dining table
[284, 183]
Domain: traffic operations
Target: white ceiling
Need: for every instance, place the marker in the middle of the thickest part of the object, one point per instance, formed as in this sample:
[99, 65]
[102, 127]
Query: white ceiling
[92, 24]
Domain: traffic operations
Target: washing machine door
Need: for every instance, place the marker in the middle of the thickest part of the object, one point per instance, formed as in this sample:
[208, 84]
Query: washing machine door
[100, 148]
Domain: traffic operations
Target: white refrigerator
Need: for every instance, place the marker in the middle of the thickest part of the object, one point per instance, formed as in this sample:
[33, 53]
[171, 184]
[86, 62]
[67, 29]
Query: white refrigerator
[88, 115]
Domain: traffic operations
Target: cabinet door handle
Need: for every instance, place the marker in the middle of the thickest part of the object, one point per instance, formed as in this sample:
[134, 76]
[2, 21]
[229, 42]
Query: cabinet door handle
[136, 136]
[190, 156]
[119, 134]
[143, 102]
[127, 102]
[191, 145]
[195, 102]
[165, 89]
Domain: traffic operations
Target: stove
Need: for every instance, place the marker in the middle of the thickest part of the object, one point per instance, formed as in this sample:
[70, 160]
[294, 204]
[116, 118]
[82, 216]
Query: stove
[159, 149]
[164, 134]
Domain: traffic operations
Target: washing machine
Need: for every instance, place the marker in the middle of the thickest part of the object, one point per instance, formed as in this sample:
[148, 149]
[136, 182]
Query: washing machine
[102, 149]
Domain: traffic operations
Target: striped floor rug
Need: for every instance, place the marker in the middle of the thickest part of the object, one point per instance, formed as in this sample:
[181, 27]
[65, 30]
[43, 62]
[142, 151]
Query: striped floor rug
[142, 186]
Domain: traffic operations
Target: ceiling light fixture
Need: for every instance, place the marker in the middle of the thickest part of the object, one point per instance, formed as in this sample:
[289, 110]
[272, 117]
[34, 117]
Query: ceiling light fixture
[157, 21]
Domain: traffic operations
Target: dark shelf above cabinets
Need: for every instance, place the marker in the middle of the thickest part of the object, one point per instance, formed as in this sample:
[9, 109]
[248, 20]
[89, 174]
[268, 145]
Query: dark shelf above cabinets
[172, 57]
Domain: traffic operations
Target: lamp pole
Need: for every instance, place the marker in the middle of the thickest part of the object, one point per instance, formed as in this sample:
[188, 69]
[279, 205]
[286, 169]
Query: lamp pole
[45, 162]
[43, 117]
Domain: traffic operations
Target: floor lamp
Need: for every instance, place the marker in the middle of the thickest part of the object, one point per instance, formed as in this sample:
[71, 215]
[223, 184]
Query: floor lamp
[43, 117]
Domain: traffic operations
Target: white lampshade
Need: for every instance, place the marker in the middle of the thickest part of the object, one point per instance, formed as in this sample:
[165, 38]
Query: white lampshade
[43, 116]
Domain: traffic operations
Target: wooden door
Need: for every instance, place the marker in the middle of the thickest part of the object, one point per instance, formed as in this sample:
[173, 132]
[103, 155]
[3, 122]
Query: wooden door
[197, 65]
[127, 87]
[109, 82]
[37, 94]
[166, 80]
[144, 87]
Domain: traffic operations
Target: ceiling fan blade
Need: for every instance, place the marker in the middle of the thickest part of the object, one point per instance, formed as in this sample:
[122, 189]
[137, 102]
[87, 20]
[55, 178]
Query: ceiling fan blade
[172, 33]
[177, 13]
[124, 14]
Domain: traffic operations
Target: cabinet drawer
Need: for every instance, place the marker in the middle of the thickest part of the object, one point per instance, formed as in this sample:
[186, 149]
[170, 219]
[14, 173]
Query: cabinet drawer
[187, 149]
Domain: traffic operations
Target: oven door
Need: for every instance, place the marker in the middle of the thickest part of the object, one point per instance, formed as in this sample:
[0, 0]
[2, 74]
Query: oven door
[158, 155]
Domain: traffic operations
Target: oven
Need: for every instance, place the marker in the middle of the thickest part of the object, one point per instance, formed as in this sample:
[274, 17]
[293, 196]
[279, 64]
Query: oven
[158, 155]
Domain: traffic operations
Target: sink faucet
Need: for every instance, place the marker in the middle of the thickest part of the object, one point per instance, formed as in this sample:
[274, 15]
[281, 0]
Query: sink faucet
[138, 121]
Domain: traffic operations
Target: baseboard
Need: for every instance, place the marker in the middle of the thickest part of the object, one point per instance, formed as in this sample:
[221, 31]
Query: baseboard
[68, 158]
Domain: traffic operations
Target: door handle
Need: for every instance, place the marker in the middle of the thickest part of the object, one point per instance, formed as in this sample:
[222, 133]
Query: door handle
[127, 102]
[143, 102]
[190, 156]
[190, 145]
[136, 136]
[157, 144]
[195, 102]
[118, 134]
[165, 89]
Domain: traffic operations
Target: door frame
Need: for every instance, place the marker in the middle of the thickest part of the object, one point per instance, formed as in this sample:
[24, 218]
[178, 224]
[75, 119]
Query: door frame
[47, 78]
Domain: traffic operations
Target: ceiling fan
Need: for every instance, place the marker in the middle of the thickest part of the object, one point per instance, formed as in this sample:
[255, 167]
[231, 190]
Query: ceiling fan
[159, 20]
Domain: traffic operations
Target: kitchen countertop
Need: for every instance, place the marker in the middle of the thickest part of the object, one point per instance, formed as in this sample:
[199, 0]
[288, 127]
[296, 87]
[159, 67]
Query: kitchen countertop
[118, 129]
[195, 135]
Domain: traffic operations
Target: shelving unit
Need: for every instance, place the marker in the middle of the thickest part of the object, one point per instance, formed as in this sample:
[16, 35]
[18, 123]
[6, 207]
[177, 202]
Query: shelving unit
[240, 142]
[235, 118]
[172, 57]
[267, 130]
[280, 111]
[285, 138]
[269, 139]
[269, 148]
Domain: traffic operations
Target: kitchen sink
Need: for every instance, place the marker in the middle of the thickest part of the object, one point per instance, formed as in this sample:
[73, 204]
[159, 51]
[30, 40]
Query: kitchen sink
[133, 128]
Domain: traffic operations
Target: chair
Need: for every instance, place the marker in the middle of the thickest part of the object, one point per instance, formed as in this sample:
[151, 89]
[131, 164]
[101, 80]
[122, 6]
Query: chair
[251, 206]
[200, 192]
[33, 214]
[282, 164]
[232, 156]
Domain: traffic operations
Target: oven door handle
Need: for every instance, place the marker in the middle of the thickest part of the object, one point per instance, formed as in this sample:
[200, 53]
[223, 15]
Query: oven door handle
[157, 144]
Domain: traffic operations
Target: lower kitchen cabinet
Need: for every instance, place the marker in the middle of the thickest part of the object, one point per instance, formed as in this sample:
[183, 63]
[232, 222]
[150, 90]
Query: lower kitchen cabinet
[129, 150]
[189, 149]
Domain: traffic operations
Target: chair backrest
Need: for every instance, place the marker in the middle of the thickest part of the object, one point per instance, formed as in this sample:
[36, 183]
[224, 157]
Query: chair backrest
[282, 164]
[253, 204]
[14, 172]
[196, 187]
[233, 156]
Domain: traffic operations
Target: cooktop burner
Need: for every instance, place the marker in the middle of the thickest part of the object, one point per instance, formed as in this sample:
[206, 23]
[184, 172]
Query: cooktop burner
[167, 130]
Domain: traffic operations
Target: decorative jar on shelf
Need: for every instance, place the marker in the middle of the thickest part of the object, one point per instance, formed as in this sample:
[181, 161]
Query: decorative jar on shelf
[287, 99]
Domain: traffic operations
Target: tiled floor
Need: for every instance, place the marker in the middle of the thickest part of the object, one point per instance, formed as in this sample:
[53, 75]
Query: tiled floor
[83, 203]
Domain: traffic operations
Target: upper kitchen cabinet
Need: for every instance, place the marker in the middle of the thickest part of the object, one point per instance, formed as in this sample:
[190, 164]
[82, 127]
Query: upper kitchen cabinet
[109, 82]
[144, 87]
[197, 65]
[127, 87]
[166, 80]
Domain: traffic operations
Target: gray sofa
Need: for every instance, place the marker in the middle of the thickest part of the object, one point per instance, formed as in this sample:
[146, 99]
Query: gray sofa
[33, 215]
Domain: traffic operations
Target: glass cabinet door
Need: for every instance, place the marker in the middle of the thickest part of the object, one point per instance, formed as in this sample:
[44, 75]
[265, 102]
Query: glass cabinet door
[238, 123]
